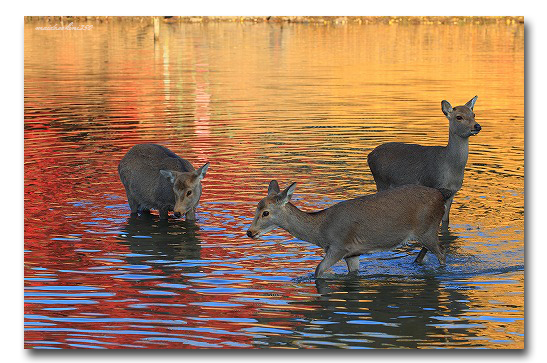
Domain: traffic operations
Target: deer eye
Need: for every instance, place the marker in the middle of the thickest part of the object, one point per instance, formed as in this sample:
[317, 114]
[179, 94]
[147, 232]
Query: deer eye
[265, 213]
[188, 193]
[459, 118]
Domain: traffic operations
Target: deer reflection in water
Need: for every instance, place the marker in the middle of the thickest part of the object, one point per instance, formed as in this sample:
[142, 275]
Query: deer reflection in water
[150, 239]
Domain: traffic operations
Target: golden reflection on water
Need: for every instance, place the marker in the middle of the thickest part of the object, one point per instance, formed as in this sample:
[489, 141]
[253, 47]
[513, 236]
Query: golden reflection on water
[294, 102]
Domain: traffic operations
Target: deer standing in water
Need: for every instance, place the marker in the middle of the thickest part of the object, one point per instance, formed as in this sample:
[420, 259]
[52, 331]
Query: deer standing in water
[370, 223]
[395, 163]
[154, 177]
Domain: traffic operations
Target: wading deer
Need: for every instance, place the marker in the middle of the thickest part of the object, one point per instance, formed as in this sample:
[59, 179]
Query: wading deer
[154, 177]
[394, 164]
[375, 222]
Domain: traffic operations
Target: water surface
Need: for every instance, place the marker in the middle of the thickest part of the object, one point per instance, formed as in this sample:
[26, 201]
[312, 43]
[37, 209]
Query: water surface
[292, 102]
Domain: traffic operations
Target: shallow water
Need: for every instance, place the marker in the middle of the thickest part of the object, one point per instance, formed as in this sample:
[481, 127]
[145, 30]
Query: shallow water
[293, 102]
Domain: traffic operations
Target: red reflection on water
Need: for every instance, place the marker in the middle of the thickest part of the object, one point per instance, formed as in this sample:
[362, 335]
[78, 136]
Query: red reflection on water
[70, 184]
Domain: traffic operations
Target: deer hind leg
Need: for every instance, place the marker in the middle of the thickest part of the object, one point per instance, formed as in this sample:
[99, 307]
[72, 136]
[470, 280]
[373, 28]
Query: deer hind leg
[430, 241]
[353, 263]
[332, 256]
[421, 255]
[133, 204]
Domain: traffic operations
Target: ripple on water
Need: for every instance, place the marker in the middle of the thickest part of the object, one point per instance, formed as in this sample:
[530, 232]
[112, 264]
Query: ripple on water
[97, 278]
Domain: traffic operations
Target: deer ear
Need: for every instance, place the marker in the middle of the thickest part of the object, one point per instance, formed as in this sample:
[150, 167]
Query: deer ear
[446, 107]
[471, 102]
[201, 171]
[287, 193]
[169, 175]
[273, 188]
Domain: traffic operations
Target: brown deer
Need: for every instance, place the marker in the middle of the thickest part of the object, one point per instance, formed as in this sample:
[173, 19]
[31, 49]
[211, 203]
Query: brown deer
[154, 177]
[370, 223]
[395, 163]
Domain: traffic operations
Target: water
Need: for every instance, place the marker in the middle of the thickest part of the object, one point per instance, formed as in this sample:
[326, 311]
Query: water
[292, 102]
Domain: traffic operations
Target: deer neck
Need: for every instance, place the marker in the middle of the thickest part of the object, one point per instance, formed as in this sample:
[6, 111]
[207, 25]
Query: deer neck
[457, 150]
[302, 225]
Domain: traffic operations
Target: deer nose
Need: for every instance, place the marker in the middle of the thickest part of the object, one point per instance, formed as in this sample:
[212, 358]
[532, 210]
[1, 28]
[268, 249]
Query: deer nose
[249, 233]
[478, 127]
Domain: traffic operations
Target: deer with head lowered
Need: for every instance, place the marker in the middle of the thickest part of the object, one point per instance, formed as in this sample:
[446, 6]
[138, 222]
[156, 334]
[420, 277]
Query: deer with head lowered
[348, 229]
[395, 163]
[154, 177]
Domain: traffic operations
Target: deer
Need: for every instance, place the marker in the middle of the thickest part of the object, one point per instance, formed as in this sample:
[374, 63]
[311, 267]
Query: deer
[370, 223]
[154, 177]
[395, 163]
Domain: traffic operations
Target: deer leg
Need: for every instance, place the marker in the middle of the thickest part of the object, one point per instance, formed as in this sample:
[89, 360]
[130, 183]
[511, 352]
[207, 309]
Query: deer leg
[430, 240]
[447, 206]
[322, 286]
[421, 255]
[331, 257]
[164, 213]
[353, 263]
[133, 205]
